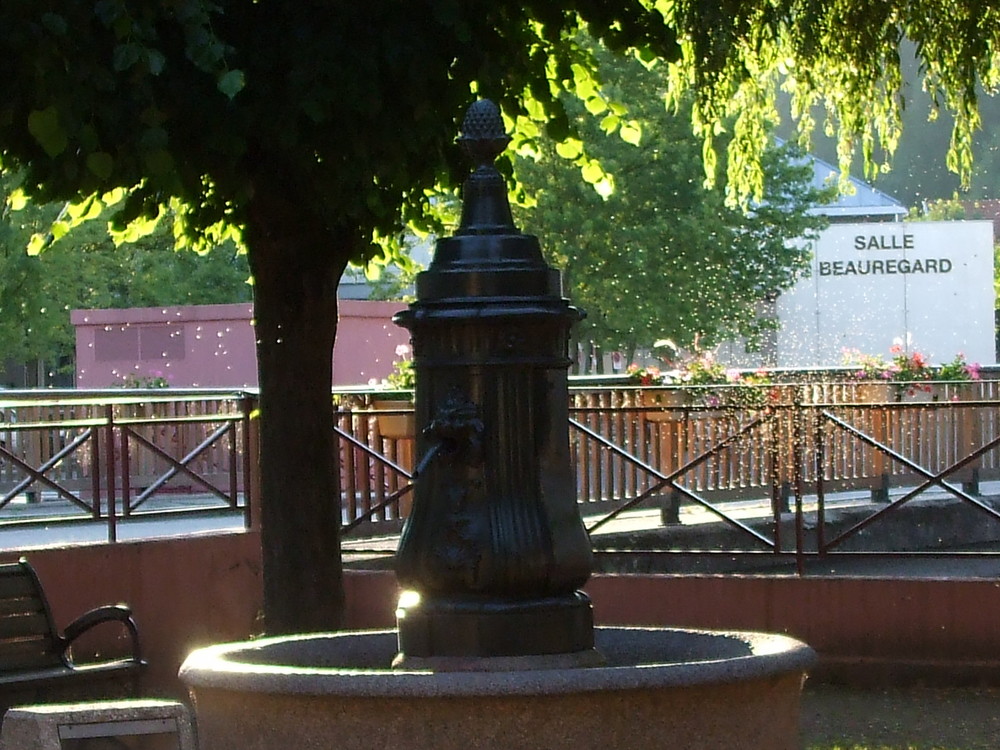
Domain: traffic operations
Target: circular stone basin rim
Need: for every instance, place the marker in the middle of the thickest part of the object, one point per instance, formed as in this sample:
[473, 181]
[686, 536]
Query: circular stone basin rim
[357, 663]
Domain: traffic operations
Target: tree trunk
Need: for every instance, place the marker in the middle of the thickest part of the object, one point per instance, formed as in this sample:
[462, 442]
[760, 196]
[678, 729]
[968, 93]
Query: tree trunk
[296, 267]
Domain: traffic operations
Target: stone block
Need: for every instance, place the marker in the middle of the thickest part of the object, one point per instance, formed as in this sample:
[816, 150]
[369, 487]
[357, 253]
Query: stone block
[59, 726]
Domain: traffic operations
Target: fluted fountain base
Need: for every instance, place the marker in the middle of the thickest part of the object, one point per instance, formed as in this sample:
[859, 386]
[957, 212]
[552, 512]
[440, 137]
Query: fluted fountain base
[466, 633]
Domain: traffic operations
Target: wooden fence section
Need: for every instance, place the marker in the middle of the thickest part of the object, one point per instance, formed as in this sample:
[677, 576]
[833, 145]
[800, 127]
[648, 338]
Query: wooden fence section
[628, 446]
[722, 443]
[109, 455]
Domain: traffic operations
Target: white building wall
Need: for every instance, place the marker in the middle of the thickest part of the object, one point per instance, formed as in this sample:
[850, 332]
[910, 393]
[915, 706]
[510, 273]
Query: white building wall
[926, 283]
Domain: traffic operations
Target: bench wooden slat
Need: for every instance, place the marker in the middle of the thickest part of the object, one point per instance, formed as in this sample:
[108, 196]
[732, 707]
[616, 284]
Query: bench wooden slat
[26, 624]
[15, 584]
[31, 650]
[20, 606]
[28, 653]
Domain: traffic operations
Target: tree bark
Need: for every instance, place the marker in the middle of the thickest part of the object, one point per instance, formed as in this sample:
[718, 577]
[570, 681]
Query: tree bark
[296, 264]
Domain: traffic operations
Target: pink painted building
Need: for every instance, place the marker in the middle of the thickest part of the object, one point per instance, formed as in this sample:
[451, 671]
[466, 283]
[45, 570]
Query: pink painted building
[209, 346]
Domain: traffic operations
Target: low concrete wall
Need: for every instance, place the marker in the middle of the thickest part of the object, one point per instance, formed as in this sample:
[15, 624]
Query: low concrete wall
[184, 593]
[877, 630]
[195, 591]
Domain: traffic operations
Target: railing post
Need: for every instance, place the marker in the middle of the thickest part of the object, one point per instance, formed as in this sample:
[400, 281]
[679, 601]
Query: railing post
[248, 459]
[801, 415]
[112, 459]
[820, 456]
[971, 431]
[126, 464]
[880, 473]
[95, 469]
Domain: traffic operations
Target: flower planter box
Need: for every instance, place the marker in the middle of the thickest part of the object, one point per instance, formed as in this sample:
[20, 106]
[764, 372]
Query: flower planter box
[922, 393]
[957, 391]
[663, 406]
[874, 393]
[398, 425]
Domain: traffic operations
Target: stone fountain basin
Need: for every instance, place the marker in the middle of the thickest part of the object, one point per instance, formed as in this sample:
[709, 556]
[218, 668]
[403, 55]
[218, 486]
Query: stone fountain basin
[661, 688]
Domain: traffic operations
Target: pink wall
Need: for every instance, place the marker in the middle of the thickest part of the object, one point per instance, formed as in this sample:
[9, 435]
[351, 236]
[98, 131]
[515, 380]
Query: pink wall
[207, 346]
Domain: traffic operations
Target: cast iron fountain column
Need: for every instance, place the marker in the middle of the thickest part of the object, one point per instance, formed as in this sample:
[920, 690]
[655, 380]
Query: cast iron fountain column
[498, 649]
[494, 550]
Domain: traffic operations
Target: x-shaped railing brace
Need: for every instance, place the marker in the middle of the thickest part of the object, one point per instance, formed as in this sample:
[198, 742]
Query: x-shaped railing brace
[367, 450]
[177, 466]
[930, 478]
[670, 479]
[38, 475]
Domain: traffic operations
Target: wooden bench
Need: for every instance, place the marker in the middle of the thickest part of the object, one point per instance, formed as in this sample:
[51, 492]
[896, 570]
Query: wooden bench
[36, 665]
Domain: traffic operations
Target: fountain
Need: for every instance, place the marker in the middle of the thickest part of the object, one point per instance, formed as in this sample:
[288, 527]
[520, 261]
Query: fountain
[495, 646]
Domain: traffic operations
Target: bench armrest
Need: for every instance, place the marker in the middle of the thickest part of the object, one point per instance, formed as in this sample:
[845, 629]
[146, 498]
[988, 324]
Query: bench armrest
[109, 613]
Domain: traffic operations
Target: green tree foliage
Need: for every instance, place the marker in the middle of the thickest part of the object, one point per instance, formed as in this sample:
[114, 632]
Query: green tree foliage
[664, 256]
[87, 270]
[918, 172]
[316, 128]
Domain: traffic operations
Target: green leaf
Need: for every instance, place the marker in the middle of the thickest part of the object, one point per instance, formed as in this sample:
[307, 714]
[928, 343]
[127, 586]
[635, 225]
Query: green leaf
[586, 86]
[646, 56]
[125, 56]
[631, 132]
[153, 138]
[37, 243]
[605, 187]
[17, 199]
[43, 124]
[114, 196]
[107, 11]
[610, 124]
[89, 208]
[570, 149]
[59, 229]
[535, 109]
[592, 172]
[139, 227]
[231, 83]
[595, 105]
[101, 164]
[54, 23]
[155, 61]
[159, 162]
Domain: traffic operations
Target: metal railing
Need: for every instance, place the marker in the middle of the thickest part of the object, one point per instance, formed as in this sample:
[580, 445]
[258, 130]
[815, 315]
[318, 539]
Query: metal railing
[811, 443]
[111, 457]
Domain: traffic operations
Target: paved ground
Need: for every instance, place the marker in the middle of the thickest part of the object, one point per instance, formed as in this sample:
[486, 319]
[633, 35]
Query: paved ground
[900, 718]
[52, 521]
[55, 526]
[376, 552]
